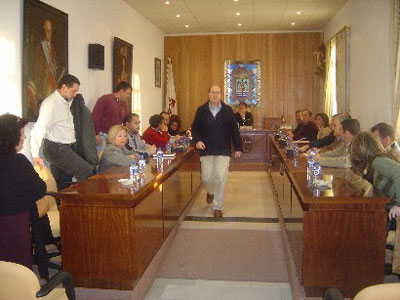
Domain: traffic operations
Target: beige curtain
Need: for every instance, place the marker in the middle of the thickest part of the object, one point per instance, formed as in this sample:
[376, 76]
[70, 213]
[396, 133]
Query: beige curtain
[394, 49]
[330, 81]
[341, 70]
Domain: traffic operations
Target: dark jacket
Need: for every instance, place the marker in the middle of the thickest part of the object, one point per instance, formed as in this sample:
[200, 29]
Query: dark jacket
[20, 185]
[247, 121]
[308, 131]
[84, 130]
[217, 133]
[325, 141]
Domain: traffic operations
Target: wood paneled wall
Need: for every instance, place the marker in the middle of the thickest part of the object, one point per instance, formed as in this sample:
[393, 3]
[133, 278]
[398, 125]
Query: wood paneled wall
[288, 66]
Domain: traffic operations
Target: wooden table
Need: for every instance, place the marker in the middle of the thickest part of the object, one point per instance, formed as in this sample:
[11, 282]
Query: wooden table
[342, 241]
[110, 233]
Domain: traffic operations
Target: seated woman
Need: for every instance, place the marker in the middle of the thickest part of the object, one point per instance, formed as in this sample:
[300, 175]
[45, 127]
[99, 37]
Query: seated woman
[369, 160]
[20, 188]
[114, 153]
[243, 117]
[174, 127]
[322, 122]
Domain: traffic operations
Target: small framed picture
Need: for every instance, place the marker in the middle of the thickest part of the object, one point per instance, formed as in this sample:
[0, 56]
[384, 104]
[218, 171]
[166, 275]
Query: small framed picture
[157, 72]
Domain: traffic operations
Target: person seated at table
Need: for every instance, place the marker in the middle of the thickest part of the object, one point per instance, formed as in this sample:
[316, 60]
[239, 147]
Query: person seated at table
[155, 135]
[340, 157]
[299, 120]
[368, 159]
[174, 127]
[114, 153]
[20, 188]
[243, 117]
[165, 120]
[135, 145]
[322, 122]
[385, 133]
[309, 130]
[331, 141]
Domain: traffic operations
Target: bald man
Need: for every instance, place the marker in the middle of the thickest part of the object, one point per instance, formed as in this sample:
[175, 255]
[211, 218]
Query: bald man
[214, 130]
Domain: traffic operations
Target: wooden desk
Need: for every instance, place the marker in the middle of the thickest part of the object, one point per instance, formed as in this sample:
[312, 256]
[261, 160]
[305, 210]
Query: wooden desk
[110, 234]
[342, 241]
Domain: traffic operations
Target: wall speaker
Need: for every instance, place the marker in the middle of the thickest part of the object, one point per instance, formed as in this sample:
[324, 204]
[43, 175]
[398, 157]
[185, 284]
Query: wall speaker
[96, 56]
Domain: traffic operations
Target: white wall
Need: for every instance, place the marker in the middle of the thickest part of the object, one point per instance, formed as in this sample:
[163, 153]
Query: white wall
[90, 21]
[369, 58]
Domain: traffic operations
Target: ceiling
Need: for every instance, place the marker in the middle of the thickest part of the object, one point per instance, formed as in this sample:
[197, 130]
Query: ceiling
[221, 15]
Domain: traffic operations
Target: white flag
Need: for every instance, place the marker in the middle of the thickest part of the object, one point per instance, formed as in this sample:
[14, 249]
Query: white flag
[170, 97]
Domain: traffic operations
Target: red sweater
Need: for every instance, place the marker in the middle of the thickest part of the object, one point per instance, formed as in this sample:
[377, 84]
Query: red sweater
[153, 137]
[107, 112]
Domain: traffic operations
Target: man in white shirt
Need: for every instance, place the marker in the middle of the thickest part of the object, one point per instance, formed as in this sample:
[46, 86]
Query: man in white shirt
[56, 126]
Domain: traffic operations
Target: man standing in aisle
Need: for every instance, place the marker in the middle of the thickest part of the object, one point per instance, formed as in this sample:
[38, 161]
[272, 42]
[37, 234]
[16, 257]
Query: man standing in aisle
[214, 130]
[110, 110]
[55, 124]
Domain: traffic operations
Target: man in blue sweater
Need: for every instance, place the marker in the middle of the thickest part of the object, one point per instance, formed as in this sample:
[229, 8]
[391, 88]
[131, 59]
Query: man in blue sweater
[214, 130]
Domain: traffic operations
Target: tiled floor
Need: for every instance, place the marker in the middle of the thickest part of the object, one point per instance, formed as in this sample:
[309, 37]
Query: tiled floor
[247, 194]
[250, 205]
[189, 289]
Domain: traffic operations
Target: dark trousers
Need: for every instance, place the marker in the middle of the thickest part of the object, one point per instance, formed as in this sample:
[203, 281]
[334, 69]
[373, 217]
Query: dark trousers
[65, 163]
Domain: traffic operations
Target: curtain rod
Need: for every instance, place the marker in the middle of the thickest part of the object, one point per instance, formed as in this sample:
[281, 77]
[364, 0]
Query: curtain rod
[346, 28]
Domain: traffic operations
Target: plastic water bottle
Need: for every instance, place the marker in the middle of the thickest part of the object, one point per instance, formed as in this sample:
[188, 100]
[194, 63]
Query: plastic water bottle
[168, 146]
[133, 171]
[142, 165]
[310, 168]
[296, 150]
[288, 142]
[159, 160]
[159, 155]
[316, 172]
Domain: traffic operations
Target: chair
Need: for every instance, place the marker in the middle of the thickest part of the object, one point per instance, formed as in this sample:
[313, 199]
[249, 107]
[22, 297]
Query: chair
[385, 291]
[48, 204]
[49, 218]
[20, 283]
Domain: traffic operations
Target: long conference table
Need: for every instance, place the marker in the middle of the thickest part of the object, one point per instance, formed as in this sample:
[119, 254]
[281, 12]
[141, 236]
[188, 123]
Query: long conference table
[110, 233]
[341, 239]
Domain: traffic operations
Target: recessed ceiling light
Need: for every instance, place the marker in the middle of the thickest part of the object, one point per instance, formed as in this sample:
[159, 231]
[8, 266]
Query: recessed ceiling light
[167, 2]
[178, 15]
[235, 0]
[293, 23]
[299, 12]
[239, 24]
[238, 13]
[187, 26]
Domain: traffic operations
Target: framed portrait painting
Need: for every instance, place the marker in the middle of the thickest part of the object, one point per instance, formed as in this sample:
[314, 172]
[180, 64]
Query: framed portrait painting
[242, 82]
[45, 54]
[157, 72]
[122, 64]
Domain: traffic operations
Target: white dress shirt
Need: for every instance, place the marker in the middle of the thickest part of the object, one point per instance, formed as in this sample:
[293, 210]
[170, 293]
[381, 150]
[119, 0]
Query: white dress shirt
[55, 123]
